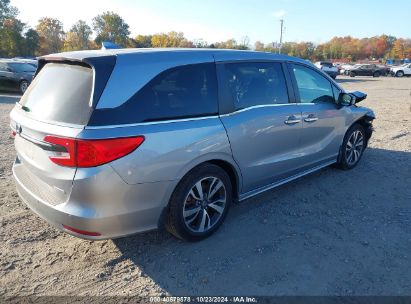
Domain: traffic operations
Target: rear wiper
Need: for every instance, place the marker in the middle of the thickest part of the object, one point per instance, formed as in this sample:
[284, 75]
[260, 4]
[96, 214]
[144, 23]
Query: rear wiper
[24, 108]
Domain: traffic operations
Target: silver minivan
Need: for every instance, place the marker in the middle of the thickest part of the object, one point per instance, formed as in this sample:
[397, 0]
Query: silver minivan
[115, 142]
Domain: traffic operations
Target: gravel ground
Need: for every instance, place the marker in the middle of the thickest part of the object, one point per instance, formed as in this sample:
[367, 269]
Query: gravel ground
[330, 233]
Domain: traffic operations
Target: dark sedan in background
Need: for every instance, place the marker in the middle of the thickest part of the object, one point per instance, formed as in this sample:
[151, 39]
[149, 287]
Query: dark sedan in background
[368, 70]
[15, 75]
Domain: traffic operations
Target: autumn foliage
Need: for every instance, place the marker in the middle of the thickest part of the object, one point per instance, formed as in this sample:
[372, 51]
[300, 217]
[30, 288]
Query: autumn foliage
[17, 39]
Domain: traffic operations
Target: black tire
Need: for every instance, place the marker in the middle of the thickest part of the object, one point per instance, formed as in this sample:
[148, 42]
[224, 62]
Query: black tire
[23, 86]
[376, 74]
[176, 222]
[343, 158]
[399, 74]
[352, 74]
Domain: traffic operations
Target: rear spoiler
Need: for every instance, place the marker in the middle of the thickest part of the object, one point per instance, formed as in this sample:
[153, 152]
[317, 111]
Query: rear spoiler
[102, 67]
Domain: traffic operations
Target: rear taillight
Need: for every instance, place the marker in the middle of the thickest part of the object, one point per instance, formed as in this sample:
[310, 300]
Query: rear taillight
[90, 153]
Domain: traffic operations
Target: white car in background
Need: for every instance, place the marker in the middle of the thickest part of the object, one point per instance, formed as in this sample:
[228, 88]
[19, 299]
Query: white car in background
[401, 71]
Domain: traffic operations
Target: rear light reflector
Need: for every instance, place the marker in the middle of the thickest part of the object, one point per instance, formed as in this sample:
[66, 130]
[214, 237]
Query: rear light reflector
[90, 153]
[83, 232]
[63, 157]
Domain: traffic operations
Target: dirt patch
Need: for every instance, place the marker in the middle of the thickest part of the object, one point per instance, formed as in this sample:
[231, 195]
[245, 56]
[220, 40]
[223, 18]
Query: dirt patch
[329, 233]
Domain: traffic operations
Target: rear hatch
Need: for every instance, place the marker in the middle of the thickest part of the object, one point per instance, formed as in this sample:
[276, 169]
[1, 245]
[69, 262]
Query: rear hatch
[58, 104]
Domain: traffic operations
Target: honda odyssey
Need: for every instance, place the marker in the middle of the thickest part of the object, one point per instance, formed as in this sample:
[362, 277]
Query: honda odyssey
[115, 142]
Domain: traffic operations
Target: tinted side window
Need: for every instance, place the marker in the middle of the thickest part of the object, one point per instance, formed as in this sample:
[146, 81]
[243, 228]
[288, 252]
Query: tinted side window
[182, 92]
[312, 86]
[256, 84]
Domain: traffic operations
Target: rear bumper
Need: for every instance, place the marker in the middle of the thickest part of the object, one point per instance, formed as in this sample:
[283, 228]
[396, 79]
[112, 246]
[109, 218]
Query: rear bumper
[138, 208]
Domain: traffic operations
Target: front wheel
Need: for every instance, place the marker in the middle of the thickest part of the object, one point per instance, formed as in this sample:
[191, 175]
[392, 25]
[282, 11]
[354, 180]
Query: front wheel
[352, 148]
[352, 74]
[376, 74]
[199, 203]
[400, 74]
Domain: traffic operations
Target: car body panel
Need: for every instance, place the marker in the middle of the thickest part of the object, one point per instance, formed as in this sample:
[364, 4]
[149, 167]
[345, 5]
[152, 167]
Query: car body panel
[168, 147]
[265, 148]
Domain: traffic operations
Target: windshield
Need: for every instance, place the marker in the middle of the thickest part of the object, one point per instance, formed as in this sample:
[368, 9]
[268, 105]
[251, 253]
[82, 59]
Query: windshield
[60, 93]
[22, 67]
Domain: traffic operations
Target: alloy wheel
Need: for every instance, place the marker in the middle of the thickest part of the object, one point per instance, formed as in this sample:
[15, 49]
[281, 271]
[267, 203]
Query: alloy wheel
[204, 204]
[354, 148]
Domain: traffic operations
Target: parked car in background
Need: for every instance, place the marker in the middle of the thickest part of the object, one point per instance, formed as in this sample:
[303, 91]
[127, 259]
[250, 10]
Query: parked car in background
[367, 70]
[105, 151]
[328, 68]
[401, 71]
[15, 75]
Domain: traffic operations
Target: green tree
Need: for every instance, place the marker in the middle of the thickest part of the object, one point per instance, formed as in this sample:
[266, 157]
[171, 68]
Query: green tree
[51, 35]
[171, 39]
[143, 41]
[7, 11]
[229, 44]
[110, 26]
[11, 38]
[31, 43]
[78, 38]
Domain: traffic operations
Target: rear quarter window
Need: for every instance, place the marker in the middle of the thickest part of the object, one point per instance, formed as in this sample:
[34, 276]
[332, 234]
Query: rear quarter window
[60, 93]
[181, 92]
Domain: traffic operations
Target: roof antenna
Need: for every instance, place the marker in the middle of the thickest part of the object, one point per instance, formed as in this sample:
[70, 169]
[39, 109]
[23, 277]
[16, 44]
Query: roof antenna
[108, 45]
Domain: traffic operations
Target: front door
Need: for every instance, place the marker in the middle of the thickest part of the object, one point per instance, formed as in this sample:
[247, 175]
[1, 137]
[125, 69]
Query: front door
[264, 129]
[323, 120]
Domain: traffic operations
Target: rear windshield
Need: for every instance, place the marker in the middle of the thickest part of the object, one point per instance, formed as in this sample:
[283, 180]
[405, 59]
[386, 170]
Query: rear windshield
[60, 93]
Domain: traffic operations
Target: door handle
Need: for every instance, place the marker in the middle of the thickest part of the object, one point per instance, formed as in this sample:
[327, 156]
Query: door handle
[310, 118]
[292, 120]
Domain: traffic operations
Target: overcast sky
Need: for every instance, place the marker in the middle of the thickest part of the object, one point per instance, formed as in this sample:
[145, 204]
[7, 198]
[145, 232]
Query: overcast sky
[217, 20]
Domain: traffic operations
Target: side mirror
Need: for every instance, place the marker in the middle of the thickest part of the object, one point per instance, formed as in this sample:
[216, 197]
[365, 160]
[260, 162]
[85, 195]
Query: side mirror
[359, 96]
[346, 99]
